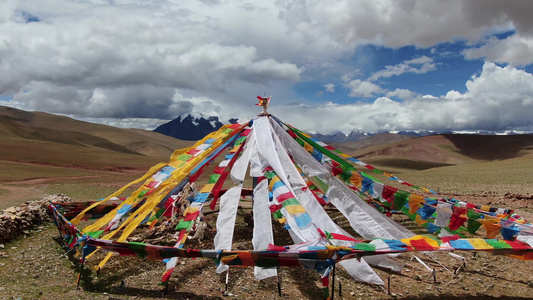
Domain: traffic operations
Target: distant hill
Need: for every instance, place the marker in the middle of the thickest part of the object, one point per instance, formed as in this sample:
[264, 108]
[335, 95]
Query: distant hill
[370, 141]
[439, 150]
[43, 137]
[189, 128]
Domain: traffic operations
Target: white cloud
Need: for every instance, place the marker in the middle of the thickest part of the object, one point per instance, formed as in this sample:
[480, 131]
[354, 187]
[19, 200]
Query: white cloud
[159, 59]
[418, 65]
[515, 50]
[398, 23]
[121, 61]
[453, 95]
[401, 93]
[499, 98]
[330, 87]
[360, 88]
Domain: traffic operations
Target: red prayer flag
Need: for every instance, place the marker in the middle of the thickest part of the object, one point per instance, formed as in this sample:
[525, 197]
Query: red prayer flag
[421, 245]
[276, 248]
[192, 216]
[446, 239]
[456, 221]
[388, 193]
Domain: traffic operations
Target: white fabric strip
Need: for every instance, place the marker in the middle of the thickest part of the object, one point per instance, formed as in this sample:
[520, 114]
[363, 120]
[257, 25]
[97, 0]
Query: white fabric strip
[263, 234]
[363, 218]
[309, 165]
[257, 163]
[238, 171]
[359, 270]
[229, 202]
[377, 187]
[444, 213]
[265, 145]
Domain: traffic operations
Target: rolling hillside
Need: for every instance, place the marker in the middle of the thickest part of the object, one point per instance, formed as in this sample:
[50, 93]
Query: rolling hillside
[443, 150]
[455, 163]
[42, 153]
[37, 136]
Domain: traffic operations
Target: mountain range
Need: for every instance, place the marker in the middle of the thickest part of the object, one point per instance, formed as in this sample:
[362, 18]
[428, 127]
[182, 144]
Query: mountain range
[192, 128]
[42, 137]
[189, 128]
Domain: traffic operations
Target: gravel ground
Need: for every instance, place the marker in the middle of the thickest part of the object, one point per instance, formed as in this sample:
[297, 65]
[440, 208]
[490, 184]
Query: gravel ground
[35, 266]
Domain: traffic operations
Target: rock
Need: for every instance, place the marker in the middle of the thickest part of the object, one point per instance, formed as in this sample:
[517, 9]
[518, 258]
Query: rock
[19, 220]
[10, 210]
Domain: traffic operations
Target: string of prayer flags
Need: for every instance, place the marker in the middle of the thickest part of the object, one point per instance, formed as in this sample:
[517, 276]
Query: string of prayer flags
[427, 212]
[295, 175]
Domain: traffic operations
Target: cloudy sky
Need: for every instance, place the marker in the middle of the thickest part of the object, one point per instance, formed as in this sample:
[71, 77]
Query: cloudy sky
[328, 65]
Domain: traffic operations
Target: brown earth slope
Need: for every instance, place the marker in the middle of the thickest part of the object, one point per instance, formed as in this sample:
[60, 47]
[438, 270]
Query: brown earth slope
[39, 151]
[442, 150]
[22, 126]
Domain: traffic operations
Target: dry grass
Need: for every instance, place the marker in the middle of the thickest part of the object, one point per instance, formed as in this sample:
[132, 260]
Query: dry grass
[513, 176]
[11, 171]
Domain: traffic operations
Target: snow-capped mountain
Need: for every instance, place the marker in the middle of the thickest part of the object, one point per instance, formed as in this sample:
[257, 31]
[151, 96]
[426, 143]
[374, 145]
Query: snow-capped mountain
[190, 128]
[357, 135]
[194, 127]
[340, 137]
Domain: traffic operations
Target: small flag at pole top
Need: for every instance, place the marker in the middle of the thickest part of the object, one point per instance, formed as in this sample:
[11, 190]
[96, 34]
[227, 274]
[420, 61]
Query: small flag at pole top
[263, 101]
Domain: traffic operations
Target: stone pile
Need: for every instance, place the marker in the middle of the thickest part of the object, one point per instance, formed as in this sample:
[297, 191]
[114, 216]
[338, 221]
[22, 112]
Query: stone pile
[18, 220]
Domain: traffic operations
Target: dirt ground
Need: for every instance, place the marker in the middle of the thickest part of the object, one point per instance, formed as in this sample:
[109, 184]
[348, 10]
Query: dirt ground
[35, 266]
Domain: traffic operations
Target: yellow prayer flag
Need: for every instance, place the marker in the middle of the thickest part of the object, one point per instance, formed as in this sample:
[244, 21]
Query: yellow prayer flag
[356, 180]
[308, 148]
[485, 208]
[191, 209]
[295, 209]
[415, 202]
[207, 188]
[480, 244]
[419, 221]
[273, 181]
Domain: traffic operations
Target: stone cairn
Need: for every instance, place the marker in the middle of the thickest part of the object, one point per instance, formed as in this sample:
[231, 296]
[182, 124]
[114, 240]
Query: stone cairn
[18, 220]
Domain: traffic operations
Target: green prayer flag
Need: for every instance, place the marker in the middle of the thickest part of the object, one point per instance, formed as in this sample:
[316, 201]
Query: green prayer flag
[227, 130]
[184, 157]
[498, 244]
[183, 225]
[365, 247]
[290, 201]
[400, 198]
[214, 178]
